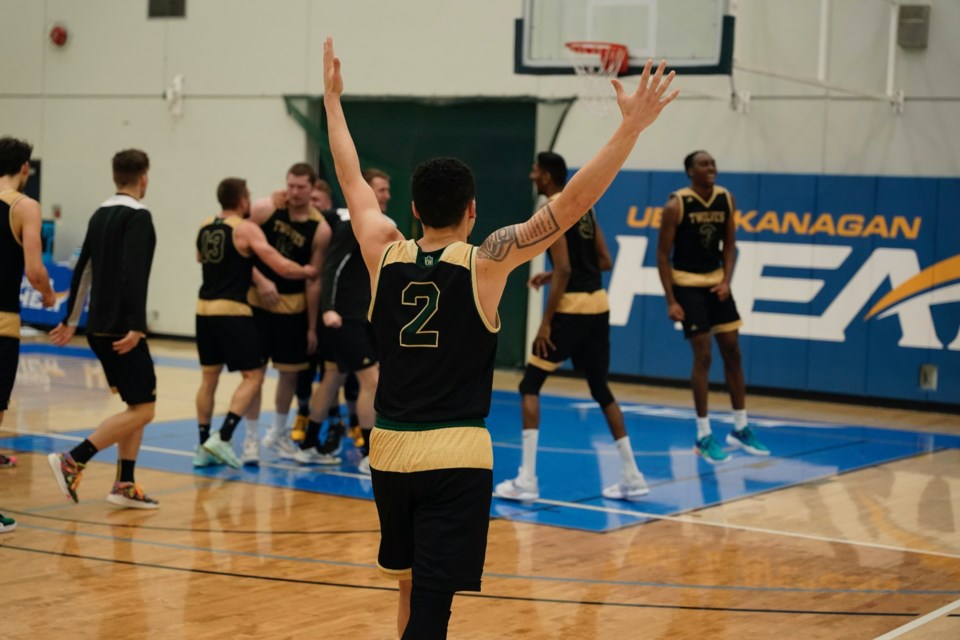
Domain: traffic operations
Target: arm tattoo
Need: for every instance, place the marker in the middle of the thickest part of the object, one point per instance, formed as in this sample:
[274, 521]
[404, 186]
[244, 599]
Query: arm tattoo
[498, 244]
[540, 227]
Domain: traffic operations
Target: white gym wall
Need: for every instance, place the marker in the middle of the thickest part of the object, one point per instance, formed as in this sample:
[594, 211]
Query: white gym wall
[103, 91]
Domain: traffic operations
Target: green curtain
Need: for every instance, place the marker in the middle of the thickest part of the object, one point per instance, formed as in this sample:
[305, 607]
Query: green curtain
[495, 137]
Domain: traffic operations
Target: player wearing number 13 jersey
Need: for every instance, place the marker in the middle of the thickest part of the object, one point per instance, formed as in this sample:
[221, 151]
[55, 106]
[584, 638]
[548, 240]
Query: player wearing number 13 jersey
[434, 313]
[227, 246]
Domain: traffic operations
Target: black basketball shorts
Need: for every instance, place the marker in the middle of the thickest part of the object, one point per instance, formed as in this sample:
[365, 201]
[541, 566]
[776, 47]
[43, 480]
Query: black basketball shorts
[283, 338]
[704, 311]
[583, 338]
[433, 526]
[9, 358]
[352, 346]
[132, 374]
[229, 340]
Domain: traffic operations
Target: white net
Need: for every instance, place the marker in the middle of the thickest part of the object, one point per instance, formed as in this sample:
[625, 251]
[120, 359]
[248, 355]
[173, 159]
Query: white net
[596, 63]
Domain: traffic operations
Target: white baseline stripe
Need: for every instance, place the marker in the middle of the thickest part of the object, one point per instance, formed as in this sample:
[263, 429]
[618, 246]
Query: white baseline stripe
[739, 527]
[919, 622]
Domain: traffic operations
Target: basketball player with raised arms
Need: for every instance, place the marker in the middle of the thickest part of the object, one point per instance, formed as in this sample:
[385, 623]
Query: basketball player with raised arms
[434, 314]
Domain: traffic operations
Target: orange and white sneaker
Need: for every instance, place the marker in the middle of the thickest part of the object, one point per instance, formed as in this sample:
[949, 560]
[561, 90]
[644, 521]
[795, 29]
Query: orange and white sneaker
[67, 473]
[7, 461]
[129, 494]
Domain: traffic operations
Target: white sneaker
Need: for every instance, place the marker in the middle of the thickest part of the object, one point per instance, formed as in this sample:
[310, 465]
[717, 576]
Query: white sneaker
[312, 456]
[251, 452]
[203, 458]
[627, 489]
[279, 444]
[364, 466]
[520, 488]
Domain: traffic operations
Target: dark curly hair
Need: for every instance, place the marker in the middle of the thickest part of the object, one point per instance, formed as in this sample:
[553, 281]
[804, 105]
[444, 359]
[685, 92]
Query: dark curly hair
[13, 153]
[442, 189]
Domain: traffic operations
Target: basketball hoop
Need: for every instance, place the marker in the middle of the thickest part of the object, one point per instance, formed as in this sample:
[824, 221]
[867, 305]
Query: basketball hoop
[596, 63]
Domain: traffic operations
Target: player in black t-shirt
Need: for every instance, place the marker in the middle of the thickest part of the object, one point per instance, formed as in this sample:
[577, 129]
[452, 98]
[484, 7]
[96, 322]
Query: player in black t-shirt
[120, 239]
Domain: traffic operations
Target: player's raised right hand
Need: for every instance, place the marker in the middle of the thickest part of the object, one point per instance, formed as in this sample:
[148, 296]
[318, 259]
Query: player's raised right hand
[642, 107]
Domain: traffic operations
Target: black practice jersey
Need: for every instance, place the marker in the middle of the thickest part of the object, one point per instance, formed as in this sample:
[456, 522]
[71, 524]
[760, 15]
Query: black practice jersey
[293, 240]
[11, 255]
[226, 273]
[114, 266]
[436, 348]
[701, 230]
[585, 274]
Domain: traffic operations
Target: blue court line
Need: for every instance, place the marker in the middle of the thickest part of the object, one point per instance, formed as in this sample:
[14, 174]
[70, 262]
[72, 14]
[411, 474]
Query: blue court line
[503, 576]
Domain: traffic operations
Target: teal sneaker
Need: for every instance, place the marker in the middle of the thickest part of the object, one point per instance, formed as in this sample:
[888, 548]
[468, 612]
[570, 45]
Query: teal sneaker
[746, 439]
[708, 449]
[222, 450]
[203, 458]
[7, 524]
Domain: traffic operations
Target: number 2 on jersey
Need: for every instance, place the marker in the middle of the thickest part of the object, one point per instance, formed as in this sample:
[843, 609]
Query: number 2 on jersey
[425, 295]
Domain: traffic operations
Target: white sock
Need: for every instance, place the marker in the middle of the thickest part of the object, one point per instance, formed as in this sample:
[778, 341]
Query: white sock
[253, 428]
[703, 427]
[529, 460]
[739, 419]
[279, 426]
[630, 469]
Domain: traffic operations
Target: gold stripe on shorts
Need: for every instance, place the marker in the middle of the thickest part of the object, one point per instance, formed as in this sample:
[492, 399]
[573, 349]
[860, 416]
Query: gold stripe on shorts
[688, 279]
[445, 448]
[584, 303]
[290, 303]
[540, 363]
[726, 327]
[9, 324]
[221, 307]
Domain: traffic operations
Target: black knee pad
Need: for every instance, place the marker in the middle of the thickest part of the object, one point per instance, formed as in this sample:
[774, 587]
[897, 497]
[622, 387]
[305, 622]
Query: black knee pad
[533, 379]
[600, 390]
[305, 382]
[351, 388]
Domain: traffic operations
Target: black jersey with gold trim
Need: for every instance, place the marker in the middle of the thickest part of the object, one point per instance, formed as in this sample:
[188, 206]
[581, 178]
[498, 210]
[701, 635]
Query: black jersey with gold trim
[701, 230]
[436, 347]
[226, 273]
[585, 274]
[11, 255]
[293, 239]
[11, 267]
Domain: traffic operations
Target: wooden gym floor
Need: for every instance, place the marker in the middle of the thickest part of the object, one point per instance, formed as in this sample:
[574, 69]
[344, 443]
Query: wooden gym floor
[856, 555]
